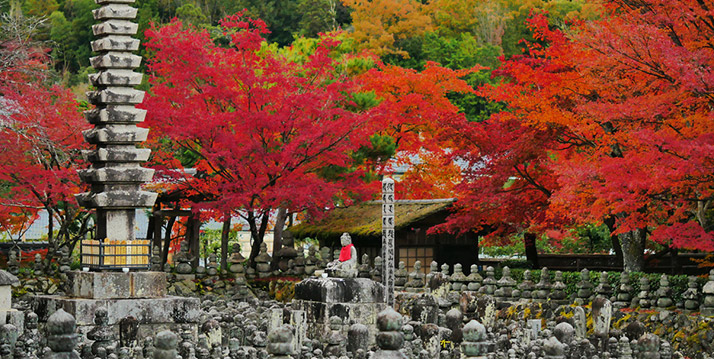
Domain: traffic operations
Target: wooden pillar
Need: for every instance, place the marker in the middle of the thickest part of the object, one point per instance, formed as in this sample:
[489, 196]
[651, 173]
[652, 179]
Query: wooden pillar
[388, 212]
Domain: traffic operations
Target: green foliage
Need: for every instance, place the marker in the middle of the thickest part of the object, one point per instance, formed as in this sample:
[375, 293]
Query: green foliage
[382, 149]
[281, 16]
[211, 240]
[191, 14]
[415, 58]
[318, 16]
[39, 7]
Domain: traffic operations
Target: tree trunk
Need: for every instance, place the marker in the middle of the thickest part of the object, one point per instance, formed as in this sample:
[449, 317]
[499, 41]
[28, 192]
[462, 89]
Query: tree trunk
[167, 239]
[633, 250]
[615, 239]
[529, 239]
[150, 230]
[192, 235]
[278, 234]
[258, 233]
[225, 236]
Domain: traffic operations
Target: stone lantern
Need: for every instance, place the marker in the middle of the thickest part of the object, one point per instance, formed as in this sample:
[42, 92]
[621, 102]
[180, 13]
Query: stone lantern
[7, 280]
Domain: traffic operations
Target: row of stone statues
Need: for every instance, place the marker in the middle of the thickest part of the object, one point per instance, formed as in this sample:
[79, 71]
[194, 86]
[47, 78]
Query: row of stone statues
[507, 289]
[340, 263]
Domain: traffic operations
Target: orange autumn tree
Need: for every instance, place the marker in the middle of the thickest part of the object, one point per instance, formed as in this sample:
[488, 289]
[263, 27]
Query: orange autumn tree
[380, 24]
[413, 105]
[628, 100]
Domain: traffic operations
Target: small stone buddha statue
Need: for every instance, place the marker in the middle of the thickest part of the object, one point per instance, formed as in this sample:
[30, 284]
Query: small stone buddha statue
[183, 260]
[262, 261]
[346, 264]
[416, 279]
[236, 260]
[286, 252]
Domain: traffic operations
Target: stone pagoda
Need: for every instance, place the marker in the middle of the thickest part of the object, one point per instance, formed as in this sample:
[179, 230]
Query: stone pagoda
[116, 173]
[112, 280]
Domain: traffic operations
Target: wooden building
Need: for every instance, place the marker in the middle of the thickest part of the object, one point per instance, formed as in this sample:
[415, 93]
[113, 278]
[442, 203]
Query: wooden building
[413, 219]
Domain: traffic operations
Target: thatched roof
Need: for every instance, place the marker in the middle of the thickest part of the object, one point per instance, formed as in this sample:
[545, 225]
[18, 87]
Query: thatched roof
[365, 219]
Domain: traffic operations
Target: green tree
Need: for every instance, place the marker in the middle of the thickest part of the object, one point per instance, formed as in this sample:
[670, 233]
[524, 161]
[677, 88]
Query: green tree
[60, 33]
[281, 16]
[191, 14]
[39, 7]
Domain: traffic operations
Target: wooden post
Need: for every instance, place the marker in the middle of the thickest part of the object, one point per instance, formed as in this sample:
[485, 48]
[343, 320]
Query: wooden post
[388, 239]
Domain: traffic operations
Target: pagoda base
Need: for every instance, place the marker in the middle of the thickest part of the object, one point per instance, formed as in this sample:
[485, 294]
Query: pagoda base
[152, 314]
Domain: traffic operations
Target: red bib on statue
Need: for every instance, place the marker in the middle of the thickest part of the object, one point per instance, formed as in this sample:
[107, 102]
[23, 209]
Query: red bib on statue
[346, 253]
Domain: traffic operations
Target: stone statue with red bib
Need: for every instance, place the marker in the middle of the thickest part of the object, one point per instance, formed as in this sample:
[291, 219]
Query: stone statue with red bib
[346, 265]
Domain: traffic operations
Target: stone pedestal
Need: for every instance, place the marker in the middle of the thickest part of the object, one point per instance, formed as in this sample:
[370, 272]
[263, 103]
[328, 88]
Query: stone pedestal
[141, 295]
[357, 300]
[117, 285]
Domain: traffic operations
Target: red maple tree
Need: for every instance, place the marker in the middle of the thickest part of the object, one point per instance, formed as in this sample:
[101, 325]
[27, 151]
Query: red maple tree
[625, 102]
[263, 130]
[40, 141]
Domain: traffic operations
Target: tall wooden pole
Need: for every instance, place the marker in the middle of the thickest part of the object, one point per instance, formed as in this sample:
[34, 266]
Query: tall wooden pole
[388, 239]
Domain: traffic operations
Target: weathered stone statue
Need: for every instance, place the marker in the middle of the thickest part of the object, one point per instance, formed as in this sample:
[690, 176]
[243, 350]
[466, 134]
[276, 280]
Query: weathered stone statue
[648, 345]
[708, 292]
[489, 283]
[585, 287]
[474, 279]
[390, 338]
[400, 276]
[415, 283]
[212, 266]
[445, 271]
[61, 338]
[286, 252]
[622, 299]
[156, 259]
[526, 286]
[554, 349]
[336, 342]
[474, 345]
[236, 260]
[557, 293]
[505, 285]
[543, 286]
[183, 260]
[324, 257]
[299, 262]
[64, 260]
[604, 289]
[102, 334]
[280, 342]
[38, 266]
[166, 343]
[31, 335]
[691, 296]
[357, 338]
[664, 294]
[8, 340]
[376, 272]
[346, 264]
[458, 278]
[310, 261]
[433, 270]
[262, 261]
[13, 265]
[364, 268]
[643, 298]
